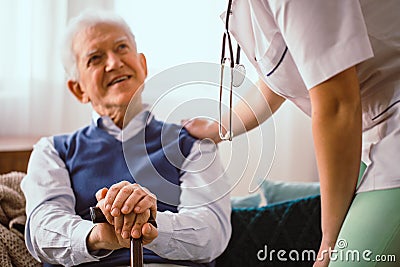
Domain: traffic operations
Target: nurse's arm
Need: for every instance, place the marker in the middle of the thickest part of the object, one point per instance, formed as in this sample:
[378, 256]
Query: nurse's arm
[257, 106]
[336, 127]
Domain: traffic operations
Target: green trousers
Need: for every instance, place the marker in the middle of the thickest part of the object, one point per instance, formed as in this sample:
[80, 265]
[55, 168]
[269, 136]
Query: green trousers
[370, 235]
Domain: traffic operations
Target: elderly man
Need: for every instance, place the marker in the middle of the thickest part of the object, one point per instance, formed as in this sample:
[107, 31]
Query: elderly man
[109, 162]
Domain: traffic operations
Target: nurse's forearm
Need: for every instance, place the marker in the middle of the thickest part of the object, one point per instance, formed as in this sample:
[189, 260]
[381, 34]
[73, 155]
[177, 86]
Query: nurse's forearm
[256, 107]
[336, 123]
[337, 146]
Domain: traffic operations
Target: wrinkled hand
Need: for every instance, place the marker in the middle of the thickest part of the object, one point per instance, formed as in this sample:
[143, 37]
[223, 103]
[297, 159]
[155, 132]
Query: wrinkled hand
[127, 209]
[202, 129]
[103, 236]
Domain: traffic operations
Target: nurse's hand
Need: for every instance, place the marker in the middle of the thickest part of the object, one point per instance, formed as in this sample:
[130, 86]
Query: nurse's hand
[202, 129]
[323, 257]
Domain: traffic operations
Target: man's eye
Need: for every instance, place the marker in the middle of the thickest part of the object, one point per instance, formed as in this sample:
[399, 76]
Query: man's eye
[94, 60]
[123, 47]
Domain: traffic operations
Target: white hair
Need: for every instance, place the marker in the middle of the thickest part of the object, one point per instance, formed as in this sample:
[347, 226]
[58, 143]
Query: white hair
[84, 20]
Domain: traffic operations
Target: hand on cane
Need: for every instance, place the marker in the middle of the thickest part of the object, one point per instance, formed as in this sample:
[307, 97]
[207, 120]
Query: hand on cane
[128, 207]
[126, 223]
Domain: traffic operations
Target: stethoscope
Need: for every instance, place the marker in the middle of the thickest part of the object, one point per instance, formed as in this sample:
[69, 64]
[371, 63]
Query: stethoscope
[237, 74]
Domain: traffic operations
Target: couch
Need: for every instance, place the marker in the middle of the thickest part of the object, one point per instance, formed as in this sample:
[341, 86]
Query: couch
[290, 222]
[285, 232]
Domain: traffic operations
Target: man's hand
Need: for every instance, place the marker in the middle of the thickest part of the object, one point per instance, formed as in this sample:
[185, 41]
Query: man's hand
[127, 206]
[103, 236]
[125, 197]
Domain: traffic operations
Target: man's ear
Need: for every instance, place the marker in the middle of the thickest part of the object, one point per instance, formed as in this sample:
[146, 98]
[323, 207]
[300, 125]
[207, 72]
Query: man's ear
[77, 91]
[143, 62]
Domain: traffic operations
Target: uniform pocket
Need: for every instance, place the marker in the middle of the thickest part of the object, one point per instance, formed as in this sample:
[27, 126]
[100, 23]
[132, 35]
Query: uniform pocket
[273, 56]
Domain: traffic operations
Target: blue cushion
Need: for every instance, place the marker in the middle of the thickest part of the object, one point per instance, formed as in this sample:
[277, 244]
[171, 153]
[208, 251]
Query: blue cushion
[278, 191]
[249, 201]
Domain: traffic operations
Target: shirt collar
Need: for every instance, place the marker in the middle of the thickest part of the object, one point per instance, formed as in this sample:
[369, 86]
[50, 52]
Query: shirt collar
[138, 123]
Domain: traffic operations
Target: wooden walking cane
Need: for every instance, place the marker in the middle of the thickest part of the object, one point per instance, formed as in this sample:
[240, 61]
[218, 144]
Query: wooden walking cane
[136, 247]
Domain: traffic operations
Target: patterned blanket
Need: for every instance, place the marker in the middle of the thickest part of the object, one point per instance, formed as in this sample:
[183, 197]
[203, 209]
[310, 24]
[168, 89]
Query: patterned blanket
[12, 218]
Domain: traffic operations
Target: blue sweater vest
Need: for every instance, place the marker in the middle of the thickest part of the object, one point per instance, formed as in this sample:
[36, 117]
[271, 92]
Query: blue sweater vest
[152, 158]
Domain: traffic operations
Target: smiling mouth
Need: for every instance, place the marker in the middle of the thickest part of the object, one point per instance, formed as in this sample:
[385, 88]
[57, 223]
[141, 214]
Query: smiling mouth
[119, 79]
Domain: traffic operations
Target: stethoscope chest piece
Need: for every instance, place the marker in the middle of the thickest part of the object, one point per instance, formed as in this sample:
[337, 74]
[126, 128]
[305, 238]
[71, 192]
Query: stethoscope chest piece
[239, 73]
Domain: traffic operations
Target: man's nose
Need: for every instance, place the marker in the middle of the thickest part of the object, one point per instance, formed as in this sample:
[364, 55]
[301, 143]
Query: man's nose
[113, 62]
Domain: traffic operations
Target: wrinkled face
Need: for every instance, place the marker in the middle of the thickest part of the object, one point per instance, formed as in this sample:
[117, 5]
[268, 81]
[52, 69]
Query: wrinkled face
[110, 69]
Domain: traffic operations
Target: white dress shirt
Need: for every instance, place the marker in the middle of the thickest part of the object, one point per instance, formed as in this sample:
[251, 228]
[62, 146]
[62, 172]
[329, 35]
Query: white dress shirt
[200, 231]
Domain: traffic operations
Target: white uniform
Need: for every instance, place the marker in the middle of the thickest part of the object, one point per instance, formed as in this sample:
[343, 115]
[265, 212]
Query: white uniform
[297, 44]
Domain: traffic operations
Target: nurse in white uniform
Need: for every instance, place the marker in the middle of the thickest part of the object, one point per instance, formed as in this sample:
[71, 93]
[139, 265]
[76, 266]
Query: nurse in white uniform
[339, 62]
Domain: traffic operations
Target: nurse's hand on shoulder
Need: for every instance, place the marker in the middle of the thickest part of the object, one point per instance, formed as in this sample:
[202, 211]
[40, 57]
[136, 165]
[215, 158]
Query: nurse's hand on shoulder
[202, 129]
